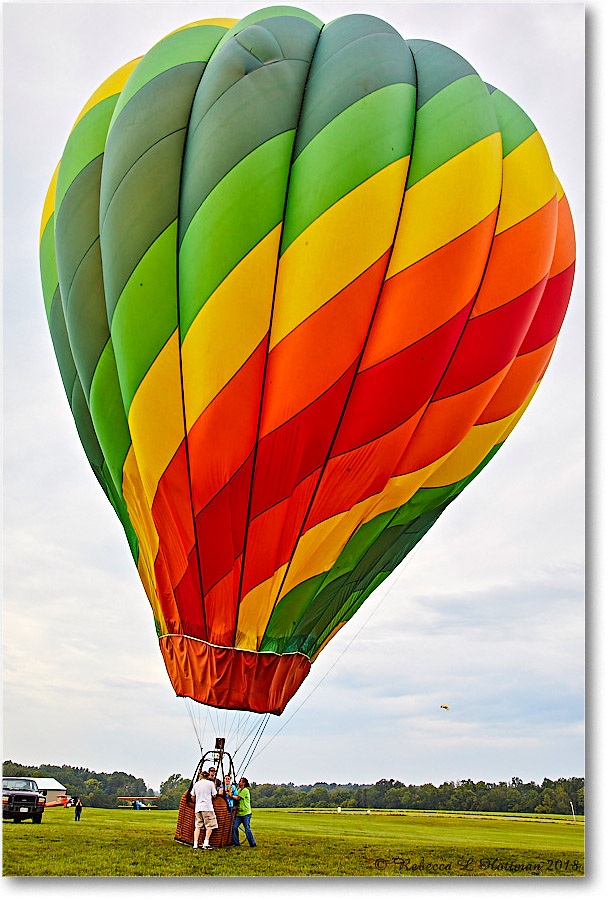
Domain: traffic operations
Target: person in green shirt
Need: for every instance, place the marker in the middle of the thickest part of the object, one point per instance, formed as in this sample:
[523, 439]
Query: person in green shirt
[243, 814]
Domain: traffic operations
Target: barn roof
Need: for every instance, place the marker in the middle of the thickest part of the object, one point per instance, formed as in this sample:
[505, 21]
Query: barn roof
[49, 784]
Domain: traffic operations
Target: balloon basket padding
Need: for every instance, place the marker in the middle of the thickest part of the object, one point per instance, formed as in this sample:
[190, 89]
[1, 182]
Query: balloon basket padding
[220, 836]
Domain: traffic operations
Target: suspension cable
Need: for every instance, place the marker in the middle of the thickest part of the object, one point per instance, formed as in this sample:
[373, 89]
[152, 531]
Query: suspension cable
[336, 661]
[255, 742]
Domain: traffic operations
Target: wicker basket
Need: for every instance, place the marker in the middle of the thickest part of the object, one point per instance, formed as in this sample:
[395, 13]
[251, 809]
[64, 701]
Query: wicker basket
[220, 836]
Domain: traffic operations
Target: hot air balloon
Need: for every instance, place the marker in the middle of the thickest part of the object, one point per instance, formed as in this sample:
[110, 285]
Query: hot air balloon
[302, 281]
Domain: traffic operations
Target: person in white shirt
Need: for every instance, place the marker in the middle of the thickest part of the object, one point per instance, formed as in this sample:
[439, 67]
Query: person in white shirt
[203, 793]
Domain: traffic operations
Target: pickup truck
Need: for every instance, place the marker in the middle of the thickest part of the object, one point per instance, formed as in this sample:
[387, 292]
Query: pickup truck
[21, 800]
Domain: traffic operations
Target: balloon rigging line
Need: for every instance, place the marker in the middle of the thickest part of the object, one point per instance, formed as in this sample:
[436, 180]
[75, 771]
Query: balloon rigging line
[192, 719]
[257, 735]
[238, 726]
[337, 660]
[250, 754]
[248, 734]
[254, 743]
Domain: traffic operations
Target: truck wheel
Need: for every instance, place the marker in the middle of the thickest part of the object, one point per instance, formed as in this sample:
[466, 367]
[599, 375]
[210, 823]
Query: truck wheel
[37, 819]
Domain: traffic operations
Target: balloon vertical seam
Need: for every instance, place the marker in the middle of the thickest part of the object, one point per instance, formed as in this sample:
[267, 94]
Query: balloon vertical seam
[261, 402]
[356, 370]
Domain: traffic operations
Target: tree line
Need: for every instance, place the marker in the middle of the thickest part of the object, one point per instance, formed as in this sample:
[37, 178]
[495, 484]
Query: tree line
[101, 789]
[514, 796]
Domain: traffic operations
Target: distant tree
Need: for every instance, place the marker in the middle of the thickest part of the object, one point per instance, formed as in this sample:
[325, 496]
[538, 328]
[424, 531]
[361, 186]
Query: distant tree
[100, 789]
[580, 800]
[551, 797]
[319, 796]
[554, 800]
[172, 790]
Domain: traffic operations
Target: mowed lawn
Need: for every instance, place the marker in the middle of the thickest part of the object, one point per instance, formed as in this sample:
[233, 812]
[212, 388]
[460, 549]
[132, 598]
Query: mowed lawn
[299, 843]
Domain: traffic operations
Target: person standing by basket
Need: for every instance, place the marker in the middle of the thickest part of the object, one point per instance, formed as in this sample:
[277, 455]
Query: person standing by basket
[204, 813]
[229, 791]
[243, 814]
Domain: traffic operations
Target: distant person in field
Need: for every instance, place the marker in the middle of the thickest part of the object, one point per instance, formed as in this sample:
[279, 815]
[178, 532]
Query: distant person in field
[77, 809]
[204, 814]
[243, 814]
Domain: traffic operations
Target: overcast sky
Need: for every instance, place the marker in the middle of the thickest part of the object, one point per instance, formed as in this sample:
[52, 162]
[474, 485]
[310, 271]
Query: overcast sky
[487, 614]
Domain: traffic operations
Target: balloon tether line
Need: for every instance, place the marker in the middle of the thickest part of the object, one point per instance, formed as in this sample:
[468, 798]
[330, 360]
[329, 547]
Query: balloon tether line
[254, 742]
[337, 660]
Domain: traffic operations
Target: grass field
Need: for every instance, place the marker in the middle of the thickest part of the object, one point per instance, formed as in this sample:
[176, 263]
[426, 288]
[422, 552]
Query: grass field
[295, 842]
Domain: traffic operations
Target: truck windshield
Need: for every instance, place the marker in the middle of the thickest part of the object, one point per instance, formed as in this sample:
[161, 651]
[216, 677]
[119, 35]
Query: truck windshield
[18, 784]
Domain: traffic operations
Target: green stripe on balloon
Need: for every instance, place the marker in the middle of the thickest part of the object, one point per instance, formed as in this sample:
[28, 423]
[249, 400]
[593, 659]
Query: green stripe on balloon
[322, 174]
[85, 143]
[126, 235]
[355, 56]
[515, 125]
[441, 130]
[318, 605]
[188, 45]
[245, 101]
[239, 212]
[146, 315]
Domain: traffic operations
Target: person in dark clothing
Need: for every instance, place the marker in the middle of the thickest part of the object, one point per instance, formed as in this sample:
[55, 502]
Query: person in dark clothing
[77, 809]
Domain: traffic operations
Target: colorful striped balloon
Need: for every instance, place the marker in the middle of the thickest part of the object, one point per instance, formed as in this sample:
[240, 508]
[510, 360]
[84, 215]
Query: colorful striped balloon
[302, 280]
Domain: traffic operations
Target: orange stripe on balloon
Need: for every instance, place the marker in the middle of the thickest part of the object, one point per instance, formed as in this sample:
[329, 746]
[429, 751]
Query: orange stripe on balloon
[390, 393]
[489, 343]
[299, 447]
[220, 607]
[525, 371]
[445, 423]
[565, 244]
[422, 297]
[520, 258]
[319, 350]
[361, 473]
[223, 436]
[273, 534]
[172, 514]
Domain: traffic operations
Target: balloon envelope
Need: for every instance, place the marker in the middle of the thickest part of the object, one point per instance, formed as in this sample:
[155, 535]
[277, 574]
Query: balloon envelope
[302, 281]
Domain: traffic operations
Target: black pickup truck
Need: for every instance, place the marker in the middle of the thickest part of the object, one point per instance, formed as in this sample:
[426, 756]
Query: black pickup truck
[21, 800]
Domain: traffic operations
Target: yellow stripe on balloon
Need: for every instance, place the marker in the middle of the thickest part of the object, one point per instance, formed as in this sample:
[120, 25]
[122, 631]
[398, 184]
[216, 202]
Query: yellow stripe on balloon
[49, 202]
[156, 420]
[320, 546]
[337, 247]
[223, 23]
[112, 85]
[141, 518]
[255, 610]
[146, 573]
[229, 326]
[529, 167]
[329, 637]
[473, 449]
[448, 202]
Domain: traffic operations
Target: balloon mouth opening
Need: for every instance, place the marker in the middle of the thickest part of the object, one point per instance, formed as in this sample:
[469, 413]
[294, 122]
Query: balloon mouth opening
[229, 678]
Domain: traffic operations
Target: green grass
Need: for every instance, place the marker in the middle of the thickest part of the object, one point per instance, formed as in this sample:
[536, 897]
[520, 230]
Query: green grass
[299, 843]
